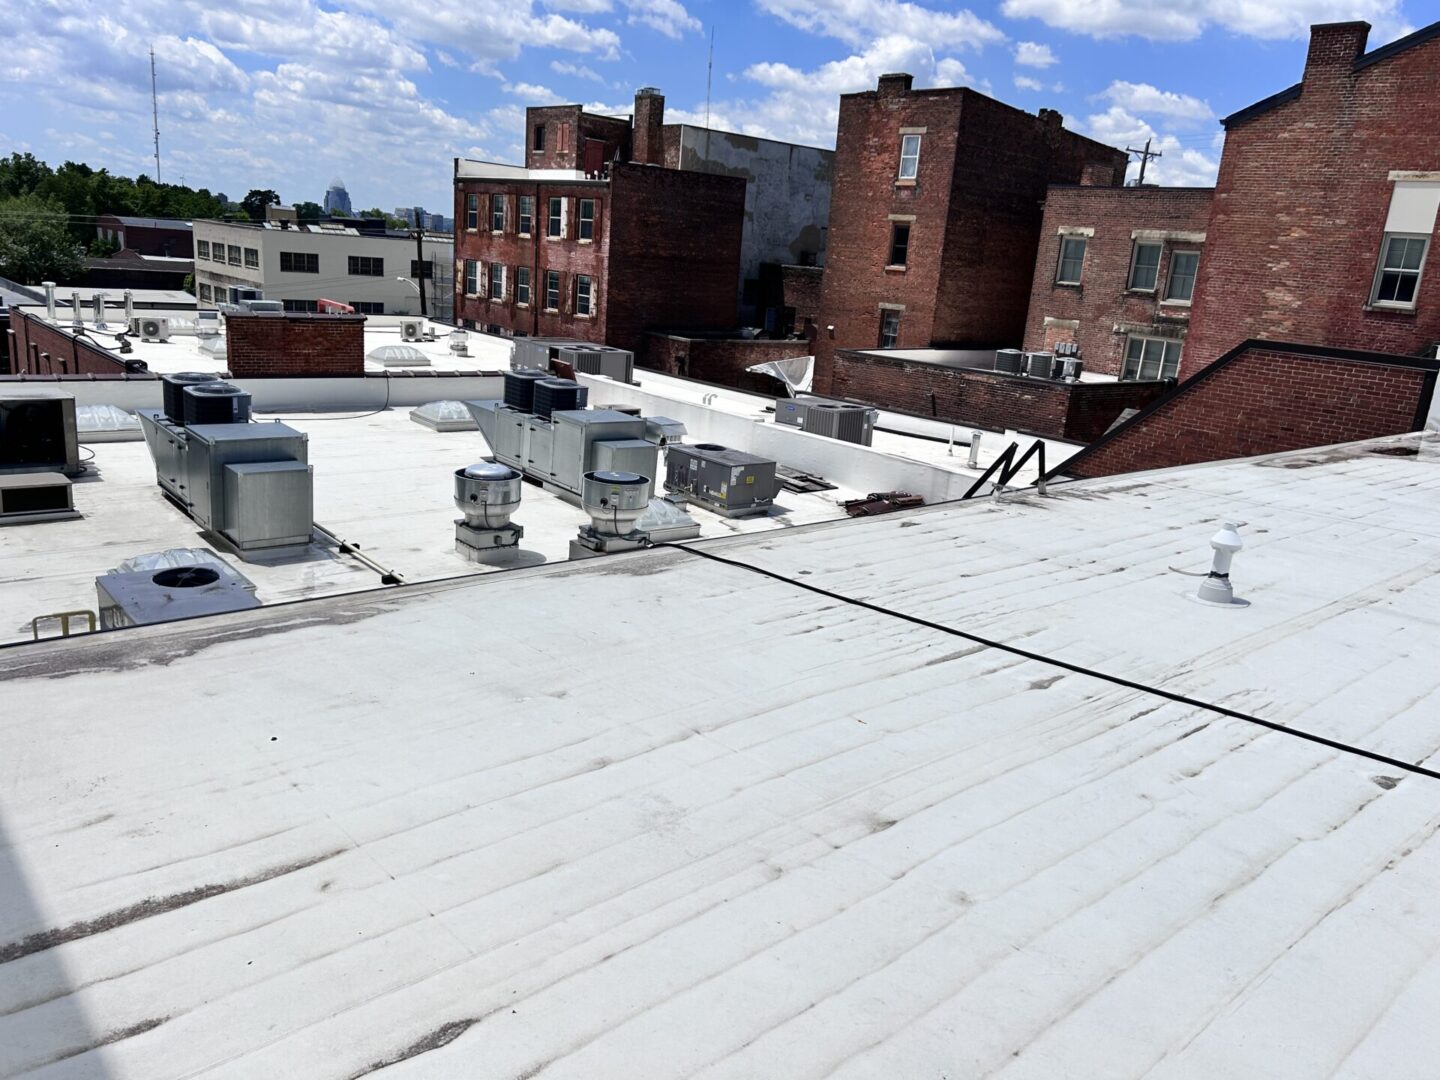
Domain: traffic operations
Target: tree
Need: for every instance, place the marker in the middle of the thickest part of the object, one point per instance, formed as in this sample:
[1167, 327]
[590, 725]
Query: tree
[102, 247]
[256, 201]
[309, 212]
[35, 244]
[189, 284]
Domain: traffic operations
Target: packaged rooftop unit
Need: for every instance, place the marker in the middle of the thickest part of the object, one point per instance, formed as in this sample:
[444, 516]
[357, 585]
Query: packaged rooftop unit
[143, 597]
[617, 364]
[38, 434]
[840, 420]
[729, 482]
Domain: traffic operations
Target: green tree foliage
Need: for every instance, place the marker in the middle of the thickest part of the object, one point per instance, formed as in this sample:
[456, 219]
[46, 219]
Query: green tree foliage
[309, 212]
[254, 203]
[35, 243]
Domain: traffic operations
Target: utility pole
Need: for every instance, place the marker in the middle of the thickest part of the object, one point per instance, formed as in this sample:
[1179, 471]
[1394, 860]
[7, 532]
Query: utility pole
[709, 72]
[155, 113]
[1145, 156]
[420, 262]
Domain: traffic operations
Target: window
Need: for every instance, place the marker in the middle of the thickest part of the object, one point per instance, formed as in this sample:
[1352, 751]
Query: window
[368, 307]
[556, 227]
[527, 214]
[299, 262]
[552, 290]
[419, 270]
[234, 253]
[202, 249]
[217, 251]
[1144, 267]
[1148, 359]
[586, 219]
[497, 281]
[522, 285]
[1181, 285]
[909, 157]
[301, 305]
[252, 258]
[366, 266]
[538, 145]
[889, 328]
[1072, 260]
[899, 243]
[472, 277]
[584, 293]
[472, 212]
[497, 213]
[204, 291]
[1398, 279]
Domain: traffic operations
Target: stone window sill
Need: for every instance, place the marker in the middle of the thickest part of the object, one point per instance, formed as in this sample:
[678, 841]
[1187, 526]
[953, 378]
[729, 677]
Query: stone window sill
[1392, 309]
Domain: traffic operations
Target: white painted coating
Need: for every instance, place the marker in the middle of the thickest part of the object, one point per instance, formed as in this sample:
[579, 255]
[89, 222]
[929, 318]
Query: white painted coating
[428, 826]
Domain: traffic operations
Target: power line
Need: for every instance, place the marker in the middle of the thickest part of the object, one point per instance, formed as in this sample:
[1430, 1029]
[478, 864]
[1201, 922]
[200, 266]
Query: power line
[1078, 669]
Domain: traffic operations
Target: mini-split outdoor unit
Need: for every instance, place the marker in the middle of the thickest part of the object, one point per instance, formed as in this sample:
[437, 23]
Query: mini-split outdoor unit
[412, 329]
[150, 328]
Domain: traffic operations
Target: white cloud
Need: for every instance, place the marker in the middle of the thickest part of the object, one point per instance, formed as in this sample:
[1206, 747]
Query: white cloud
[533, 94]
[578, 71]
[1030, 54]
[1147, 100]
[1184, 20]
[1025, 82]
[1180, 165]
[858, 22]
[669, 17]
[951, 72]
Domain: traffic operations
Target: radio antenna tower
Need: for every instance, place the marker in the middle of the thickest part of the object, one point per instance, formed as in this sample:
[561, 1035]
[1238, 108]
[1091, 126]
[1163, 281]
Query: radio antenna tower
[155, 113]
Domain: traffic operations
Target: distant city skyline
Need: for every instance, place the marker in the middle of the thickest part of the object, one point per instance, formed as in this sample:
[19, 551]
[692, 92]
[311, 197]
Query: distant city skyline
[290, 96]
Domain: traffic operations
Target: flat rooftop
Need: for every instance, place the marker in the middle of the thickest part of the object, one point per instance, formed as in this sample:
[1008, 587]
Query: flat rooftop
[382, 481]
[490, 828]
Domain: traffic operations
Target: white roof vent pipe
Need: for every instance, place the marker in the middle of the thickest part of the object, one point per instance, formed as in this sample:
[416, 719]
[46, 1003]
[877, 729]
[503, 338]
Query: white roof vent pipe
[49, 299]
[75, 320]
[129, 307]
[98, 303]
[1216, 588]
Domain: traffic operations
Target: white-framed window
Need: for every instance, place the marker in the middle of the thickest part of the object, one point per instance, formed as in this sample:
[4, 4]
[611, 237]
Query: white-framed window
[472, 277]
[472, 212]
[585, 219]
[202, 249]
[1150, 358]
[1144, 267]
[889, 328]
[527, 214]
[552, 290]
[584, 295]
[909, 157]
[1072, 260]
[497, 213]
[1397, 279]
[252, 258]
[555, 219]
[1180, 285]
[497, 281]
[522, 285]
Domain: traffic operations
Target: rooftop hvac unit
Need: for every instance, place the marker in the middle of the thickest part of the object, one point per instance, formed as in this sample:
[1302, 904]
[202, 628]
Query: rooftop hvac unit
[216, 403]
[172, 388]
[1009, 361]
[143, 597]
[35, 496]
[412, 329]
[258, 305]
[150, 328]
[240, 295]
[207, 323]
[556, 395]
[617, 364]
[840, 420]
[1040, 365]
[38, 434]
[729, 482]
[1070, 368]
[520, 388]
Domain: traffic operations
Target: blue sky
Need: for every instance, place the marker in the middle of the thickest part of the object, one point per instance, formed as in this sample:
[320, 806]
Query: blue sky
[290, 93]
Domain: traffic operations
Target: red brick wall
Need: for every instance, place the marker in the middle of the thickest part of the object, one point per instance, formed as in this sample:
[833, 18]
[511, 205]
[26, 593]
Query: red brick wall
[577, 126]
[1102, 303]
[56, 352]
[263, 344]
[717, 360]
[801, 287]
[976, 204]
[1265, 399]
[648, 137]
[1301, 201]
[1079, 412]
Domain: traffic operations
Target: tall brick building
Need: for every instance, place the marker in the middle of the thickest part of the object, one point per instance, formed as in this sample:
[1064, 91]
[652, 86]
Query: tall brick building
[616, 226]
[935, 217]
[1323, 224]
[1115, 274]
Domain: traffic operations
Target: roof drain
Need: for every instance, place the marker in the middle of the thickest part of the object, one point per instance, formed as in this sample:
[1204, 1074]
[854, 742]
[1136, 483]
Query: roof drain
[345, 547]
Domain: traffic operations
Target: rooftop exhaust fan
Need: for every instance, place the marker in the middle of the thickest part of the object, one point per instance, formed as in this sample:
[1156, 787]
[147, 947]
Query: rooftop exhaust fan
[487, 494]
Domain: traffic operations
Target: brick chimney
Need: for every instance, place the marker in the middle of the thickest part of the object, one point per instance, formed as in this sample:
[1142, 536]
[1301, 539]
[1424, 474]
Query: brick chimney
[1097, 174]
[274, 344]
[895, 84]
[648, 137]
[1334, 48]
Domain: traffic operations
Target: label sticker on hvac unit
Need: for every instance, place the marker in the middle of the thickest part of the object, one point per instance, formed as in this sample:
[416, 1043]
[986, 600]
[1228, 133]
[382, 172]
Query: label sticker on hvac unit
[735, 474]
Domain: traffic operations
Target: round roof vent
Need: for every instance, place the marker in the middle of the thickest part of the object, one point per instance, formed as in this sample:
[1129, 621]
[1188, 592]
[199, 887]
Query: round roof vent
[186, 577]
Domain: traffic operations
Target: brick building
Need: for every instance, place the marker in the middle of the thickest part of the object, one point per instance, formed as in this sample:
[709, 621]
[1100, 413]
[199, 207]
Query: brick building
[147, 236]
[1323, 223]
[687, 230]
[935, 217]
[1115, 274]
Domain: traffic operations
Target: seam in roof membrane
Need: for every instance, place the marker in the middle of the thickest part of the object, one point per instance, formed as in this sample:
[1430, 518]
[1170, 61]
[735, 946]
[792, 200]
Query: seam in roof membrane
[1078, 669]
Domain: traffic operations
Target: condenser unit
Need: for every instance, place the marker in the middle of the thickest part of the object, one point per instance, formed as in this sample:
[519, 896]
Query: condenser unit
[840, 420]
[150, 328]
[729, 482]
[412, 329]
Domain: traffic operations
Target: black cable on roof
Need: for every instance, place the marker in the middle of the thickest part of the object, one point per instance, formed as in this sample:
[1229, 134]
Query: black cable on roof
[1078, 669]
